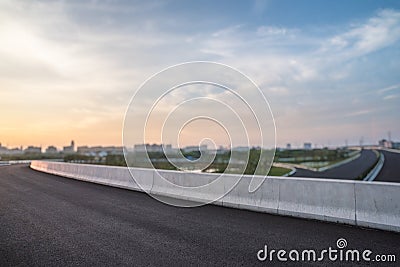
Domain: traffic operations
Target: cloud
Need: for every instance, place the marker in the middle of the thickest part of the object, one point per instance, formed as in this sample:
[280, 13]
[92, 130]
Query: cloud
[378, 32]
[389, 88]
[278, 90]
[359, 113]
[271, 30]
[390, 97]
[226, 31]
[82, 61]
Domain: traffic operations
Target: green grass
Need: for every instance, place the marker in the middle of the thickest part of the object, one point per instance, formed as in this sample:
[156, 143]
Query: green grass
[278, 171]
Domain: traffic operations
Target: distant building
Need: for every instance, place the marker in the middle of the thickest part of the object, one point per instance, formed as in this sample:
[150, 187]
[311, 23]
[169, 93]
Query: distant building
[113, 150]
[33, 150]
[288, 146]
[85, 150]
[69, 149]
[15, 151]
[385, 143]
[51, 150]
[307, 146]
[389, 144]
[100, 150]
[151, 148]
[3, 149]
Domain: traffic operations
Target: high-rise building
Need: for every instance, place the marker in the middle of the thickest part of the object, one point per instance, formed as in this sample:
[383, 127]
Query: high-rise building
[69, 149]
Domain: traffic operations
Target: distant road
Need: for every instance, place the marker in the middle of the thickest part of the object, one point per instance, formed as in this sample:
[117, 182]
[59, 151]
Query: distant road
[391, 167]
[47, 220]
[350, 170]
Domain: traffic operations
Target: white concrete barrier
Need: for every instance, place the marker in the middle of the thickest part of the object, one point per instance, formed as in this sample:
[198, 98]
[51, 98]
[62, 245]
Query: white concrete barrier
[264, 199]
[367, 204]
[192, 187]
[322, 199]
[106, 175]
[378, 205]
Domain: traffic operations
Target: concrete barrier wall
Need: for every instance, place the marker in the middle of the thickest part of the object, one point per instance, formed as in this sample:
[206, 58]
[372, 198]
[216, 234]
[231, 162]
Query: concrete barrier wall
[367, 204]
[330, 200]
[378, 205]
[107, 175]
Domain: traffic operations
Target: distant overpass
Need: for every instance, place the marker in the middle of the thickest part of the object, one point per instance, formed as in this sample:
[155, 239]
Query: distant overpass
[350, 170]
[47, 220]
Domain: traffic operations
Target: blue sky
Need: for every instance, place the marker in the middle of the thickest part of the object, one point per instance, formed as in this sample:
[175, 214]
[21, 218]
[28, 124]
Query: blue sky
[329, 69]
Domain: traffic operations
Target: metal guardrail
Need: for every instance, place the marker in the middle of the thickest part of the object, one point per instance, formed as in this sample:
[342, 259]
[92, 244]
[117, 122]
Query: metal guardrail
[10, 162]
[24, 161]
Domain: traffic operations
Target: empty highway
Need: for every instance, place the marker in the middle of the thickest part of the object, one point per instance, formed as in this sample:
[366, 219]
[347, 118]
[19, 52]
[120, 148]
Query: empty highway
[350, 170]
[390, 171]
[46, 220]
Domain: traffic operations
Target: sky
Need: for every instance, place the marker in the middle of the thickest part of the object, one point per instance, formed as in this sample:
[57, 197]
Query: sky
[329, 69]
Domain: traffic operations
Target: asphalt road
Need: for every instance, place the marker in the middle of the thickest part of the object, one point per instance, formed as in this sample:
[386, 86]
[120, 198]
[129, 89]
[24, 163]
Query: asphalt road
[350, 170]
[54, 221]
[390, 171]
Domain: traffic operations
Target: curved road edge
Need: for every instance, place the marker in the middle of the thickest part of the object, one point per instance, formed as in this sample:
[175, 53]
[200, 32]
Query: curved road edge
[376, 170]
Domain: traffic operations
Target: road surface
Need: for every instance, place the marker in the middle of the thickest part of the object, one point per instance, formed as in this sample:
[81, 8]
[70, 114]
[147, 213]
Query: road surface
[390, 171]
[47, 220]
[350, 170]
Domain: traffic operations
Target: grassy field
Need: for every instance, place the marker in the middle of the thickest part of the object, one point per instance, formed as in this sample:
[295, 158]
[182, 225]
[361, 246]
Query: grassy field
[278, 171]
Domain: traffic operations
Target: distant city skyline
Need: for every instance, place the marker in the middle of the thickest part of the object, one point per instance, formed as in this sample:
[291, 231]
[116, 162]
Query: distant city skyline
[330, 70]
[72, 146]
